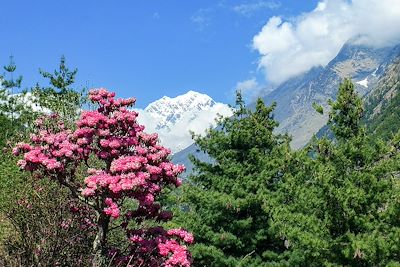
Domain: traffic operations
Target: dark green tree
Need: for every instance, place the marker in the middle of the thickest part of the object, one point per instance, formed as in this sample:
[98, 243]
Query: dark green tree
[227, 202]
[346, 112]
[339, 204]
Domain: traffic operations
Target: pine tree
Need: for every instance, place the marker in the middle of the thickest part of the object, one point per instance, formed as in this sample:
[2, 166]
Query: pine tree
[28, 205]
[346, 112]
[339, 205]
[227, 202]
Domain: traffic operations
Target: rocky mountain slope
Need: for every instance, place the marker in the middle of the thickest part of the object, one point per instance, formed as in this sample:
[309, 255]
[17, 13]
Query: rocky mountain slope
[382, 104]
[295, 97]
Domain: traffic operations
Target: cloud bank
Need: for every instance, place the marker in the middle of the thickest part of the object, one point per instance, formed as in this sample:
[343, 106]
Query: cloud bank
[291, 47]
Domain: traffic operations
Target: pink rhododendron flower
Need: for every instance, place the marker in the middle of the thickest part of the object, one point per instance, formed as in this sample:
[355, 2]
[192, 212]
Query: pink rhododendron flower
[130, 165]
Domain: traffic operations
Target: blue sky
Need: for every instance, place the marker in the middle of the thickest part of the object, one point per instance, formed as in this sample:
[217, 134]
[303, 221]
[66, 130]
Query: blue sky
[145, 49]
[149, 49]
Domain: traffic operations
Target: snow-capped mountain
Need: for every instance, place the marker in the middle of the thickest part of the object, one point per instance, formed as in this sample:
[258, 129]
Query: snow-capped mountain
[174, 118]
[169, 111]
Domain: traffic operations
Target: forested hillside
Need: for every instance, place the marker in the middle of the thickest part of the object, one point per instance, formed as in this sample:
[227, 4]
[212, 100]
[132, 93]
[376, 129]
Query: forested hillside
[382, 107]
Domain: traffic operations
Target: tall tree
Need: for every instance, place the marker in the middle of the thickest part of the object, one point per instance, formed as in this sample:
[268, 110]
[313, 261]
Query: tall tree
[28, 205]
[227, 202]
[346, 112]
[339, 205]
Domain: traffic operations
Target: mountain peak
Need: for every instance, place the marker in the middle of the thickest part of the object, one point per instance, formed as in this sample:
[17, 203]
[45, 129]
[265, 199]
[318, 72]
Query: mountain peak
[194, 96]
[173, 118]
[357, 60]
[363, 64]
[165, 98]
[191, 92]
[166, 106]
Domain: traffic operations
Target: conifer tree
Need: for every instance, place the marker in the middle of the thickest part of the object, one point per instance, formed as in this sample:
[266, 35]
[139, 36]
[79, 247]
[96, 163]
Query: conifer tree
[28, 205]
[346, 112]
[227, 202]
[339, 204]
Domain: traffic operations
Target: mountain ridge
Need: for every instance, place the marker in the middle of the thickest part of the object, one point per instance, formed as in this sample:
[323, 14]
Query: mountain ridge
[295, 97]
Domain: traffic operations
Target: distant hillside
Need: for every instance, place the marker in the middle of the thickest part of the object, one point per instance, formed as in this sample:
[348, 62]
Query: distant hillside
[294, 112]
[382, 105]
[182, 157]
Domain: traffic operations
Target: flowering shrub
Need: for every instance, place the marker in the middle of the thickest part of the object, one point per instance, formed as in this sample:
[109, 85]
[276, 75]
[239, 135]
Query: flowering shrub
[123, 162]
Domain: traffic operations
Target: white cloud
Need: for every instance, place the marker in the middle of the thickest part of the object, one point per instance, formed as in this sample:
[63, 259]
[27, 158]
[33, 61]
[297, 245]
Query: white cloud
[250, 89]
[247, 9]
[289, 48]
[247, 85]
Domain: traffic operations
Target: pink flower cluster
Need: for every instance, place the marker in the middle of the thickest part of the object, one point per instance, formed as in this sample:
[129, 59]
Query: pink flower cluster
[134, 166]
[183, 234]
[157, 240]
[179, 254]
[106, 99]
[139, 167]
[51, 149]
[112, 208]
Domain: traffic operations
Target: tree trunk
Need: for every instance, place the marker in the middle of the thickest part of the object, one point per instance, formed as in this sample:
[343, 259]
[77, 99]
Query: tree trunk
[100, 242]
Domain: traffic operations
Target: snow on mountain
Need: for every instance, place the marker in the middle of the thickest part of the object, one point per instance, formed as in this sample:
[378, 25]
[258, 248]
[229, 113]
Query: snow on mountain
[363, 82]
[174, 118]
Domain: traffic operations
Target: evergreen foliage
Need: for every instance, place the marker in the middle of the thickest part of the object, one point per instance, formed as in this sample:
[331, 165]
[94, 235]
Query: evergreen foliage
[228, 201]
[382, 112]
[32, 211]
[346, 113]
[340, 206]
[386, 124]
[333, 203]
